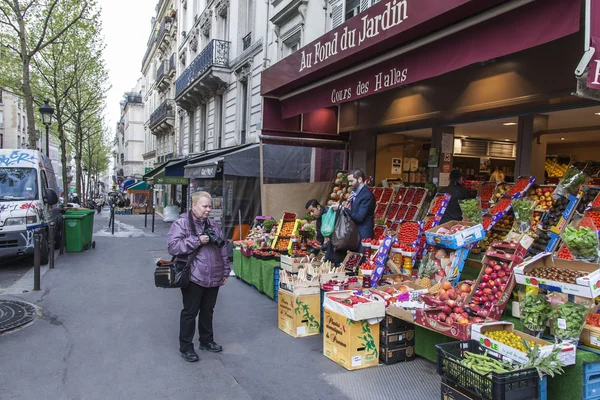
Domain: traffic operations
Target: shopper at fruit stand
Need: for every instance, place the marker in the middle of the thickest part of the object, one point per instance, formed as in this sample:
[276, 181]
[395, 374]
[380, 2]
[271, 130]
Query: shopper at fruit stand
[497, 176]
[360, 205]
[458, 192]
[317, 211]
[208, 272]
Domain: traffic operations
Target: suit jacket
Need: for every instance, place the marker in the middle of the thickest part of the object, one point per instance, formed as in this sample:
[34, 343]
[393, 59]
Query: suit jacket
[362, 212]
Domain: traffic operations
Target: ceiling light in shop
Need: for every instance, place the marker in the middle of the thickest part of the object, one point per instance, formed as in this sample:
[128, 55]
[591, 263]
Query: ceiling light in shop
[598, 113]
[507, 140]
[562, 138]
[509, 123]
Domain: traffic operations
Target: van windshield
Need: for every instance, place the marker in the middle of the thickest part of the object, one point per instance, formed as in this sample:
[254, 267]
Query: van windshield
[18, 184]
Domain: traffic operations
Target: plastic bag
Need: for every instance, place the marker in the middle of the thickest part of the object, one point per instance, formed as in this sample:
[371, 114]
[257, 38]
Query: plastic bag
[345, 235]
[582, 241]
[471, 210]
[328, 222]
[569, 318]
[535, 311]
[570, 182]
[523, 210]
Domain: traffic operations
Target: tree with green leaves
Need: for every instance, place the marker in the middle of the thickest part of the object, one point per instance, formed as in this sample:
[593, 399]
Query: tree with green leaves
[25, 31]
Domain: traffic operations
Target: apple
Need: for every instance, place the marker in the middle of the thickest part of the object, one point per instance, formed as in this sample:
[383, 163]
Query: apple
[499, 295]
[446, 285]
[501, 274]
[483, 285]
[441, 317]
[495, 290]
[477, 320]
[489, 270]
[487, 305]
[491, 283]
[497, 267]
[465, 315]
[485, 278]
[505, 279]
[450, 320]
[478, 293]
[465, 288]
[443, 297]
[487, 291]
[498, 282]
[464, 321]
[502, 287]
[491, 298]
[451, 303]
[458, 310]
[483, 313]
[452, 294]
[442, 291]
[447, 310]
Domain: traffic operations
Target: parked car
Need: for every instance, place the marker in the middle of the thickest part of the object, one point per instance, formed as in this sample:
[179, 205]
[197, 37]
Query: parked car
[28, 201]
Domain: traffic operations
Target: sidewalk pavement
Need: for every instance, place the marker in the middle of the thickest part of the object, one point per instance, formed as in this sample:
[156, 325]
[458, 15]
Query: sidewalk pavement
[106, 332]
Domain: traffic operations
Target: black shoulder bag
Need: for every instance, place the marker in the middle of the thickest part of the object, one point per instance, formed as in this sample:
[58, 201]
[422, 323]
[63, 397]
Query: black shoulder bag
[171, 274]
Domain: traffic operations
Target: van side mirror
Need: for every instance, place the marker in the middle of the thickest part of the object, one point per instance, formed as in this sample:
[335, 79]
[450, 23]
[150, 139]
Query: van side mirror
[51, 197]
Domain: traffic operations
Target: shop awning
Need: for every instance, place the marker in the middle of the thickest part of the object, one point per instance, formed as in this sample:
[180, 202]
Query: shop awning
[203, 170]
[139, 187]
[128, 182]
[149, 175]
[162, 179]
[522, 28]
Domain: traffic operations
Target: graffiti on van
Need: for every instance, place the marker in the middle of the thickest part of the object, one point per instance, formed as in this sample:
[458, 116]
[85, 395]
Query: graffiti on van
[17, 157]
[28, 237]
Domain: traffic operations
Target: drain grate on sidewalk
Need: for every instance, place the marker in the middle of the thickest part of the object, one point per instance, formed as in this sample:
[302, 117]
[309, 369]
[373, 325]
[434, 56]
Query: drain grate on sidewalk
[14, 314]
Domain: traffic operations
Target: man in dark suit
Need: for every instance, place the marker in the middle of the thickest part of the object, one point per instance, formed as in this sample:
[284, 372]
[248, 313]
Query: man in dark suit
[360, 205]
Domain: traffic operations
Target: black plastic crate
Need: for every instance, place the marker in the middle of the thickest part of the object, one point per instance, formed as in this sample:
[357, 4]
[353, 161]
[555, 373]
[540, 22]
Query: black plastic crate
[518, 385]
[394, 356]
[393, 324]
[393, 340]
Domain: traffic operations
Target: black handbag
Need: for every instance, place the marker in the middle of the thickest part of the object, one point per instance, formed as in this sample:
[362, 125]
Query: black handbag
[173, 274]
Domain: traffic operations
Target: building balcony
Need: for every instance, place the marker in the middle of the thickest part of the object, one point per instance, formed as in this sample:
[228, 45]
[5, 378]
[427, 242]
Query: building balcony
[165, 34]
[149, 155]
[165, 73]
[162, 119]
[247, 41]
[207, 75]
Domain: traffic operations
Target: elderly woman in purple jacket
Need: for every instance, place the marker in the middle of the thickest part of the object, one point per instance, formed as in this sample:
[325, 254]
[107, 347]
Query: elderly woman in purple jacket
[208, 271]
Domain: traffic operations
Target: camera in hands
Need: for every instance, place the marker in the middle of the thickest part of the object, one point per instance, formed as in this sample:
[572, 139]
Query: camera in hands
[214, 238]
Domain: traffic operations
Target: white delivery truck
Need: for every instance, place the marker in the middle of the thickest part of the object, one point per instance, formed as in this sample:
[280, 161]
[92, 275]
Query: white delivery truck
[28, 200]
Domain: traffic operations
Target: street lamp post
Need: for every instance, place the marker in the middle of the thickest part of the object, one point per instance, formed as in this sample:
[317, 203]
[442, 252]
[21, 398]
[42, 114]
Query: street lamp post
[47, 113]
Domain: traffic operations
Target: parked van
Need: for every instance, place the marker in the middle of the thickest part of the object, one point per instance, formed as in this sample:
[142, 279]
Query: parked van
[28, 200]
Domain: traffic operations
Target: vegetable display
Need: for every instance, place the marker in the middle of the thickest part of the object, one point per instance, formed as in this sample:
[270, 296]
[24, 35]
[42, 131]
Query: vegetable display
[568, 319]
[535, 311]
[510, 339]
[570, 182]
[582, 242]
[471, 210]
[500, 207]
[483, 364]
[523, 210]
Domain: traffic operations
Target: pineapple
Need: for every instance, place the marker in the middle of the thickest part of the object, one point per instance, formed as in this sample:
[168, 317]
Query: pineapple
[435, 288]
[425, 272]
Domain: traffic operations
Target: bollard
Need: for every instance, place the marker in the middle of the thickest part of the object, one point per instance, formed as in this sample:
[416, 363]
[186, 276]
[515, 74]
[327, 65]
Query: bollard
[153, 216]
[37, 247]
[146, 216]
[51, 245]
[62, 238]
[112, 218]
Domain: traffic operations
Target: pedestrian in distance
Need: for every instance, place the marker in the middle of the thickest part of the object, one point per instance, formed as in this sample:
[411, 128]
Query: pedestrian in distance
[360, 205]
[207, 272]
[458, 192]
[317, 211]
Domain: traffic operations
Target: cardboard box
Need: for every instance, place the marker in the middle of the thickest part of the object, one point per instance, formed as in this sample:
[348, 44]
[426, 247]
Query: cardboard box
[474, 233]
[359, 312]
[299, 316]
[353, 345]
[391, 323]
[512, 355]
[401, 313]
[451, 392]
[395, 340]
[586, 286]
[590, 336]
[497, 310]
[394, 356]
[292, 264]
[300, 289]
[424, 317]
[338, 276]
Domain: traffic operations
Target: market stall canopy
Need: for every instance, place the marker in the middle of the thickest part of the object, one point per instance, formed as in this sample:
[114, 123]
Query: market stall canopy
[128, 182]
[151, 174]
[139, 187]
[506, 29]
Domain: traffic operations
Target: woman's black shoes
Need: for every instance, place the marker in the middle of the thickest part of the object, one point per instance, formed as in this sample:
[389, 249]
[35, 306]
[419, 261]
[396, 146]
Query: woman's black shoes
[212, 346]
[190, 356]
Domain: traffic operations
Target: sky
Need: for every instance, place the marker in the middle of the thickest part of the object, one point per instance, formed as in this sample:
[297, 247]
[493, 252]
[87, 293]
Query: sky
[126, 28]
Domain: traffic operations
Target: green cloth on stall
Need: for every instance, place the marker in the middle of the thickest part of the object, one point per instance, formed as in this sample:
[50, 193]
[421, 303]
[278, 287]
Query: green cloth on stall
[237, 262]
[256, 273]
[268, 277]
[259, 273]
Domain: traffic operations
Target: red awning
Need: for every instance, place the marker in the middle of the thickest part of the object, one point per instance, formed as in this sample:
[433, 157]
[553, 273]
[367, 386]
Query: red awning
[525, 27]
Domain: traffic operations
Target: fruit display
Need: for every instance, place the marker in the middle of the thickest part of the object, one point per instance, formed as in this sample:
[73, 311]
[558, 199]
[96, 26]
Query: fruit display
[409, 232]
[429, 223]
[411, 213]
[510, 339]
[501, 189]
[492, 284]
[543, 196]
[593, 320]
[564, 254]
[553, 215]
[410, 194]
[535, 311]
[471, 210]
[501, 206]
[401, 212]
[350, 301]
[377, 192]
[535, 221]
[449, 296]
[391, 214]
[287, 228]
[592, 168]
[400, 195]
[386, 196]
[556, 166]
[523, 183]
[487, 223]
[556, 274]
[380, 211]
[588, 195]
[352, 260]
[282, 244]
[492, 236]
[540, 242]
[594, 216]
[568, 320]
[378, 231]
[418, 197]
[486, 191]
[505, 223]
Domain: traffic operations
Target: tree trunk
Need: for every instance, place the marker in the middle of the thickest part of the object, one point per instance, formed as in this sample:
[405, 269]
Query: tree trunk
[63, 154]
[32, 139]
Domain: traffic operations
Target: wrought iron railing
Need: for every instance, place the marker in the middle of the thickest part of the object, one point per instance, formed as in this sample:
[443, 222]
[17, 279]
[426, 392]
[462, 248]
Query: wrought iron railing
[216, 53]
[133, 98]
[172, 63]
[160, 72]
[247, 41]
[165, 25]
[147, 52]
[165, 110]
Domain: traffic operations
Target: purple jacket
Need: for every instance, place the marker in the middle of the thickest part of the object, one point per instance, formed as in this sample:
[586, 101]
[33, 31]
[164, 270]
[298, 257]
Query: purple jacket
[211, 264]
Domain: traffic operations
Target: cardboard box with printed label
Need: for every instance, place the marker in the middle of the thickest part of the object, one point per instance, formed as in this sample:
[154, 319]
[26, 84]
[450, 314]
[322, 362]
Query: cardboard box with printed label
[356, 312]
[512, 355]
[586, 286]
[351, 344]
[590, 336]
[299, 316]
[471, 234]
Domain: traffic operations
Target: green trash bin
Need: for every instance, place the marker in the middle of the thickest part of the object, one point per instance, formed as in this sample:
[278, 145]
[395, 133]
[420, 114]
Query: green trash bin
[88, 225]
[74, 235]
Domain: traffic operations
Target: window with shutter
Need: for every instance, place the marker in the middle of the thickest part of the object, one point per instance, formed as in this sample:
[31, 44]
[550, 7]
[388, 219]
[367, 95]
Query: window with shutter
[338, 11]
[364, 4]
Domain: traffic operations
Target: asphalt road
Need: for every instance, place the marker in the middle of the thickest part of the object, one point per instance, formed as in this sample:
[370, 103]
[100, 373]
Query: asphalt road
[106, 332]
